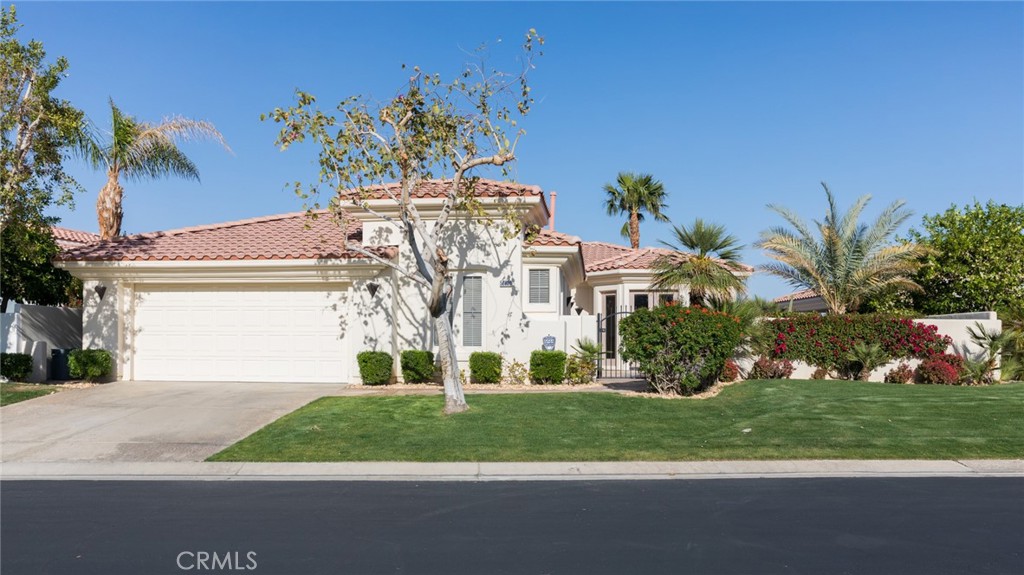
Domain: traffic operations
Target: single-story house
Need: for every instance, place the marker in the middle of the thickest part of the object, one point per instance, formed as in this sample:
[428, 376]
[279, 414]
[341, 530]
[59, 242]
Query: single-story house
[281, 298]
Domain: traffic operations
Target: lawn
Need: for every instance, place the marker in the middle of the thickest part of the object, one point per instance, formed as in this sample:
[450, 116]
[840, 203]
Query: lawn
[15, 392]
[777, 419]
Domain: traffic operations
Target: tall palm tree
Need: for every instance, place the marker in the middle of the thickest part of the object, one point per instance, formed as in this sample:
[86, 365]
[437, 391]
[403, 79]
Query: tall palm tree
[634, 194]
[706, 259]
[846, 261]
[136, 150]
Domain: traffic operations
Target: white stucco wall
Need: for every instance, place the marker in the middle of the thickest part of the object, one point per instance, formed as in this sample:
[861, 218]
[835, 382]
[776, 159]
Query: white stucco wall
[101, 324]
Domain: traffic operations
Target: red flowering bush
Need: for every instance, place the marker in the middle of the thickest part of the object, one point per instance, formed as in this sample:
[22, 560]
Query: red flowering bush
[730, 371]
[900, 374]
[937, 371]
[768, 368]
[679, 349]
[825, 341]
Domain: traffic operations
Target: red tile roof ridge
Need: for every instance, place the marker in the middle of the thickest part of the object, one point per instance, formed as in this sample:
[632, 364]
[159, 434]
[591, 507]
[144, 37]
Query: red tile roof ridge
[219, 225]
[62, 233]
[797, 295]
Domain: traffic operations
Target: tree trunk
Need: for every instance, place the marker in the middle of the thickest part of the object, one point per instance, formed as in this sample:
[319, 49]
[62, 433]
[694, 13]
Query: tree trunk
[454, 399]
[634, 229]
[108, 206]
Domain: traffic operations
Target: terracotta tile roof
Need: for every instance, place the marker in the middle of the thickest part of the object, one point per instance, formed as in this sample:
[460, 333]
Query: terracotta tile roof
[796, 296]
[602, 256]
[68, 238]
[546, 237]
[279, 237]
[439, 188]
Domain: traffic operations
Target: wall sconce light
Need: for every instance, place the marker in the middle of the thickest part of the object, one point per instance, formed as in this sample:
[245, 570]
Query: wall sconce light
[579, 310]
[372, 288]
[101, 290]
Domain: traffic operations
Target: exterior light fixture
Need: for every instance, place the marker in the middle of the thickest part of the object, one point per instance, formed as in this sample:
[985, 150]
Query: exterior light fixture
[101, 290]
[372, 288]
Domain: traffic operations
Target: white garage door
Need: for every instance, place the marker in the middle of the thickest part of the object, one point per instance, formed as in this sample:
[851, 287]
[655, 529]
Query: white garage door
[240, 333]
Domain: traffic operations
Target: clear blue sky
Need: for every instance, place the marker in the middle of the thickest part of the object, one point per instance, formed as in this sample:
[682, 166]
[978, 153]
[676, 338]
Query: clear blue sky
[731, 105]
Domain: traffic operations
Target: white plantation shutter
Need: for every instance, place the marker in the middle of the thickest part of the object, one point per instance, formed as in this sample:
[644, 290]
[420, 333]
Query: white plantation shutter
[540, 286]
[472, 312]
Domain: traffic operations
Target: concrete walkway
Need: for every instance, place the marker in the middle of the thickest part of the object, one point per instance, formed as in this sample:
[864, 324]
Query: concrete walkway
[514, 471]
[145, 421]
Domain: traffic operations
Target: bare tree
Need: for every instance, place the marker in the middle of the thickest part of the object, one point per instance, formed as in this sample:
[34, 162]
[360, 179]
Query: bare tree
[431, 129]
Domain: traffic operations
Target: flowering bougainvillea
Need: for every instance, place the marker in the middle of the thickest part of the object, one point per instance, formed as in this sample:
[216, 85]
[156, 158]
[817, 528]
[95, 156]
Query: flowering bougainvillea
[679, 349]
[824, 341]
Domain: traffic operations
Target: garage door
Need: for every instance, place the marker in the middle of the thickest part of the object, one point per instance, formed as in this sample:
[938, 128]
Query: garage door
[240, 333]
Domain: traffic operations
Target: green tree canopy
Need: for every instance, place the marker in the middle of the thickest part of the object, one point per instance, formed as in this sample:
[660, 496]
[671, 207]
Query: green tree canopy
[137, 150]
[846, 261]
[977, 262]
[26, 274]
[633, 194]
[37, 130]
[706, 260]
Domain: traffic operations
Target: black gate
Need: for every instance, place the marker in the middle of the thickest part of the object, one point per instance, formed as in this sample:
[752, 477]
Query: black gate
[611, 365]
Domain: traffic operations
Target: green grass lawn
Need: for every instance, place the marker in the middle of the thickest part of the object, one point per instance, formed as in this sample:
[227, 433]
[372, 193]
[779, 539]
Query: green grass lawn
[786, 419]
[15, 392]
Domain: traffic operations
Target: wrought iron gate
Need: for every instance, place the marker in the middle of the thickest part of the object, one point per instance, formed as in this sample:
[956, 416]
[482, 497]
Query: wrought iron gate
[611, 365]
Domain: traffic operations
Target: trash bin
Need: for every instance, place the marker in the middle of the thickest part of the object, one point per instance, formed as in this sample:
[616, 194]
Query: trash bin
[59, 369]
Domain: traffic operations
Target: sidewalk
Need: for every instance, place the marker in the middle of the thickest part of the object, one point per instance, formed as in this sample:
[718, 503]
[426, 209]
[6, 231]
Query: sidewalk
[501, 471]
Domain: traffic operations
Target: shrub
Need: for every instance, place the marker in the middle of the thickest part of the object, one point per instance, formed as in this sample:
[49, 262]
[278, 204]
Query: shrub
[547, 367]
[484, 367]
[679, 349]
[900, 374]
[865, 357]
[820, 373]
[937, 371]
[579, 369]
[768, 368]
[515, 373]
[375, 367]
[730, 371]
[15, 366]
[417, 366]
[825, 341]
[90, 364]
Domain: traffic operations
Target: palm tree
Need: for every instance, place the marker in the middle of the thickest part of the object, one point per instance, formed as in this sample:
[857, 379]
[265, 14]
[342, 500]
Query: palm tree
[634, 194]
[710, 270]
[138, 150]
[846, 261]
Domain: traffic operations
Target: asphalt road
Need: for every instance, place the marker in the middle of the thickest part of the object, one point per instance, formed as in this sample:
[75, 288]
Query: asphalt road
[878, 525]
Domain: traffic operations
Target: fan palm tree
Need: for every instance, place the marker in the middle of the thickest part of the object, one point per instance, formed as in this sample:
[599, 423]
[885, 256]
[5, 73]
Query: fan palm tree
[634, 194]
[706, 259]
[137, 150]
[846, 261]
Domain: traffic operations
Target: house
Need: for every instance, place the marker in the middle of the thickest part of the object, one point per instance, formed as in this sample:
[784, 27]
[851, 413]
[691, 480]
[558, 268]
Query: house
[280, 298]
[803, 300]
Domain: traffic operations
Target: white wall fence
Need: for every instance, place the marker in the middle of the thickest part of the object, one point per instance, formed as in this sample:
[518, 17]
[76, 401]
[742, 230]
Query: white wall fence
[953, 325]
[36, 329]
[566, 330]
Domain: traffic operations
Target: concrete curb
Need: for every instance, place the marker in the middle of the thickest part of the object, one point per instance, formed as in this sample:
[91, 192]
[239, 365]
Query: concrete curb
[505, 471]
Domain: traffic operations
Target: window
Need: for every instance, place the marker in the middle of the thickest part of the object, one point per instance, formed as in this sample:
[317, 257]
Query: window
[640, 300]
[472, 312]
[664, 298]
[540, 286]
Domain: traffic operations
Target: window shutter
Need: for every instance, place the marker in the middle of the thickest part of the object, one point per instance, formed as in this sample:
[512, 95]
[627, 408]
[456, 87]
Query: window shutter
[540, 286]
[472, 312]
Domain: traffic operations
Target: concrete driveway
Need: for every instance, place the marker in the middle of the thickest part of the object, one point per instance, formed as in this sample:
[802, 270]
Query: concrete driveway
[146, 421]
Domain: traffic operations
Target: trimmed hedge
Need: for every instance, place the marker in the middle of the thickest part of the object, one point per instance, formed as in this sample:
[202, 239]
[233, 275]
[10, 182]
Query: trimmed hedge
[90, 364]
[417, 366]
[825, 341]
[547, 367]
[484, 367]
[375, 367]
[15, 366]
[679, 349]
